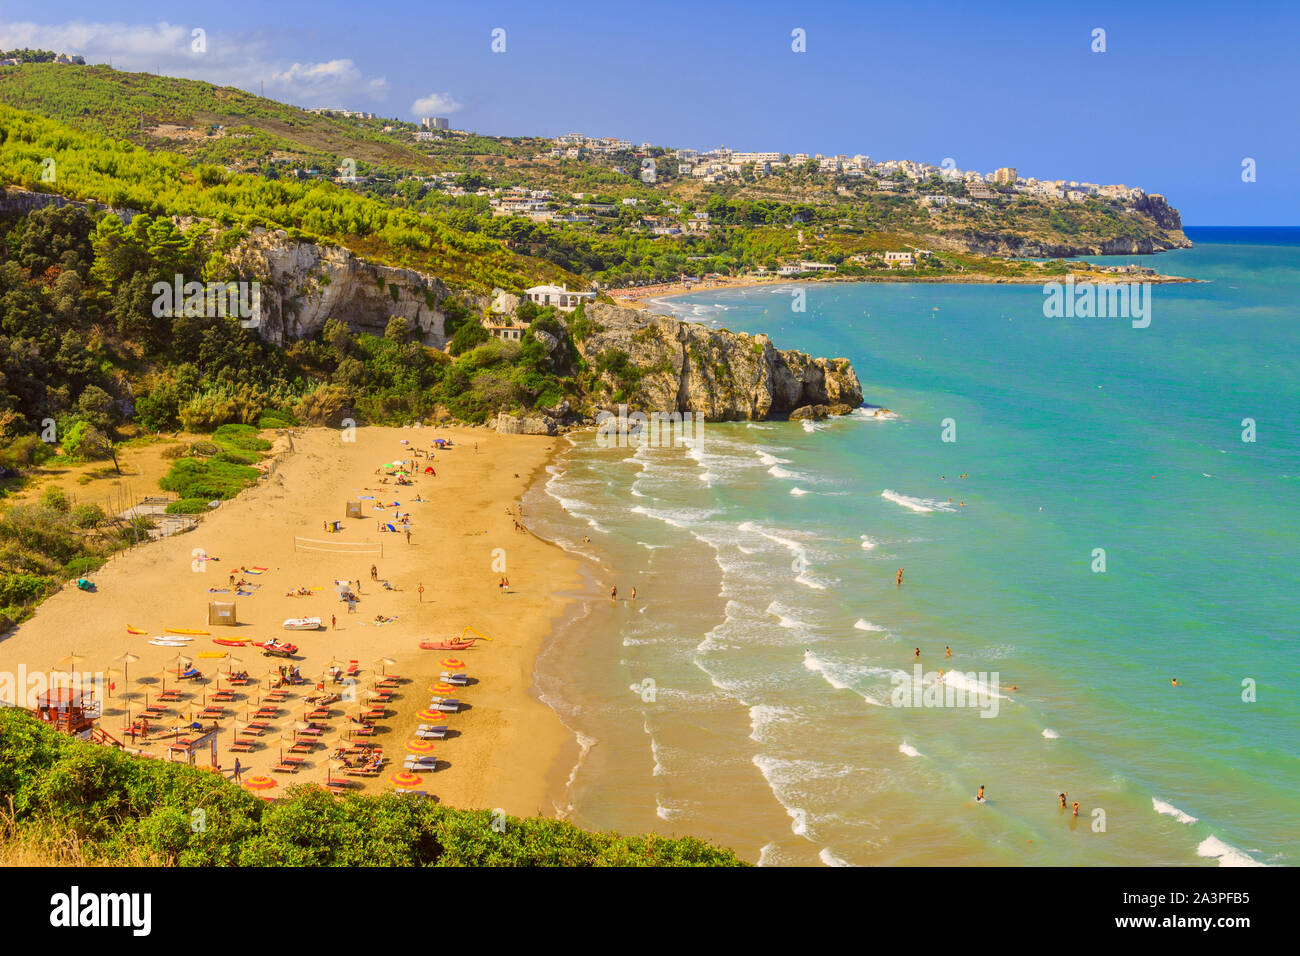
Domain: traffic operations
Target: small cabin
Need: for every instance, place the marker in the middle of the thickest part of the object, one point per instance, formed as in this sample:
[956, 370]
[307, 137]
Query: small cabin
[68, 709]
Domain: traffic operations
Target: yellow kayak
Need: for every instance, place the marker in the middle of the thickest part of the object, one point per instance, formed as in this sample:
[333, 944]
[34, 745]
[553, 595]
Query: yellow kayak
[184, 630]
[213, 654]
[134, 630]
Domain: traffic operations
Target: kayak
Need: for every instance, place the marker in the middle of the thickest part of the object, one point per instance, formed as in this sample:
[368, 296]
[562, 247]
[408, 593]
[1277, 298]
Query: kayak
[184, 630]
[447, 645]
[213, 654]
[160, 642]
[225, 642]
[134, 630]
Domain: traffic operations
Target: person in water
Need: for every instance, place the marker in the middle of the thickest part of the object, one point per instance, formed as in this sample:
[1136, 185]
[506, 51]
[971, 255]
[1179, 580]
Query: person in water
[979, 797]
[947, 651]
[916, 652]
[1063, 796]
[613, 592]
[1173, 682]
[898, 581]
[1075, 805]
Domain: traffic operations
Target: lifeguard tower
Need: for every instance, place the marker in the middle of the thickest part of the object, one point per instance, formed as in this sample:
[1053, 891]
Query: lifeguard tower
[69, 709]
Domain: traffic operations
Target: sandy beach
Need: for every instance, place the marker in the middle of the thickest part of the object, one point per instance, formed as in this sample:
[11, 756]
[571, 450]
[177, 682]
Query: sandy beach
[504, 745]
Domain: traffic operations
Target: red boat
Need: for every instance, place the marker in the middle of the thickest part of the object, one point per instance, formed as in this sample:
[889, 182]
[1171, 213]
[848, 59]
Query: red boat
[448, 645]
[275, 648]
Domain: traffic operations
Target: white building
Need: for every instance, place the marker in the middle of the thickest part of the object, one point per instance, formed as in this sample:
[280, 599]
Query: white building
[558, 296]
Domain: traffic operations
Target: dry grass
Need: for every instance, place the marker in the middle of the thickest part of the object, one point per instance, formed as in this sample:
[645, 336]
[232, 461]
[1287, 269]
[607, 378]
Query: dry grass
[46, 845]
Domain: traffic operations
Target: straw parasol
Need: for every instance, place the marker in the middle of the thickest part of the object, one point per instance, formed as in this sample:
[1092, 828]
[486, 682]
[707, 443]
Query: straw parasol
[383, 663]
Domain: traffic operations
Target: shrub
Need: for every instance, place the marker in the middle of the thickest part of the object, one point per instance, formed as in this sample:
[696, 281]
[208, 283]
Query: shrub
[187, 506]
[54, 499]
[208, 480]
[87, 516]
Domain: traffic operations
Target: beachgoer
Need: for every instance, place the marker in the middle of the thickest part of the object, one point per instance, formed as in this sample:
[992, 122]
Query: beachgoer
[408, 535]
[1063, 796]
[634, 592]
[916, 652]
[613, 592]
[239, 771]
[1075, 805]
[898, 580]
[1173, 682]
[374, 573]
[334, 621]
[420, 590]
[947, 651]
[979, 797]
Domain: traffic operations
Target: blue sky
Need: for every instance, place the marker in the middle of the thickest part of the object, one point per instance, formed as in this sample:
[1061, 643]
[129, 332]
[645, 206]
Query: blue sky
[1184, 92]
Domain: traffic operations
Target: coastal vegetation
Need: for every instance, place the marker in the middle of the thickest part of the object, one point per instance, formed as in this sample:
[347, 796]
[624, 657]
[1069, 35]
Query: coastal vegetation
[57, 792]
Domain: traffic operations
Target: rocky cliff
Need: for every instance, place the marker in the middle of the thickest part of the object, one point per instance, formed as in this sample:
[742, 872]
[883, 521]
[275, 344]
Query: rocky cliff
[304, 284]
[727, 376]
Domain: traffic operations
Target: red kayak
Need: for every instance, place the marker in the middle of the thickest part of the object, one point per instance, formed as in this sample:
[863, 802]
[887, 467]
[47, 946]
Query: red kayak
[225, 643]
[447, 645]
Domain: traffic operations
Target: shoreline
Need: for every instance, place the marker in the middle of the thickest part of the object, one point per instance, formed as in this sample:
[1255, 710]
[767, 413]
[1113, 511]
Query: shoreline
[503, 745]
[636, 299]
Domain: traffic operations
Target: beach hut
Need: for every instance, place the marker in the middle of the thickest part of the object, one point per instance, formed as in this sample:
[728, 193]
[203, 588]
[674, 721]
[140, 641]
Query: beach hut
[66, 708]
[353, 510]
[221, 612]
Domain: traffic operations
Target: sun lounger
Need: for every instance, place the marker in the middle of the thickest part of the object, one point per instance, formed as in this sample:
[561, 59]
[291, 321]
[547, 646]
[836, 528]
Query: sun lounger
[242, 746]
[285, 768]
[419, 764]
[431, 731]
[365, 730]
[449, 704]
[320, 713]
[169, 696]
[237, 681]
[224, 696]
[361, 772]
[390, 681]
[212, 713]
[303, 747]
[257, 727]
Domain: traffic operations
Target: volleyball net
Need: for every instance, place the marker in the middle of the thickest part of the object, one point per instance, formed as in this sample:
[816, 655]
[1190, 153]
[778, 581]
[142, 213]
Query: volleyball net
[338, 547]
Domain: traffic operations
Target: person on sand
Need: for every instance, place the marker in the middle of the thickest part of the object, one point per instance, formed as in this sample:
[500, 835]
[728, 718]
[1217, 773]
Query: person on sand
[408, 535]
[334, 622]
[239, 771]
[420, 591]
[374, 573]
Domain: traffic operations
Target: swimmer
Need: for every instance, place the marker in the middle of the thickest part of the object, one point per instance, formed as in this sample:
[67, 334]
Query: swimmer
[1173, 682]
[613, 592]
[947, 651]
[1075, 805]
[1063, 796]
[898, 579]
[634, 593]
[979, 797]
[917, 653]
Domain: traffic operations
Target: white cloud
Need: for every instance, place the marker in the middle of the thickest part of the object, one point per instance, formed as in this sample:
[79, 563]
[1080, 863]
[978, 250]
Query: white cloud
[435, 104]
[229, 59]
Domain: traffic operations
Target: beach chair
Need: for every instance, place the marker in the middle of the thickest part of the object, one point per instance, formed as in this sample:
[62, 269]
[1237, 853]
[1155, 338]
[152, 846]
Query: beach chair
[257, 728]
[320, 713]
[284, 768]
[431, 731]
[420, 764]
[237, 681]
[353, 669]
[242, 746]
[339, 788]
[212, 713]
[169, 696]
[389, 682]
[449, 704]
[223, 696]
[303, 747]
[365, 730]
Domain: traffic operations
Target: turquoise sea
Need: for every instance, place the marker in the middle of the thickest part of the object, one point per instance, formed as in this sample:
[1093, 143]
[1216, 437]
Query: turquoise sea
[745, 695]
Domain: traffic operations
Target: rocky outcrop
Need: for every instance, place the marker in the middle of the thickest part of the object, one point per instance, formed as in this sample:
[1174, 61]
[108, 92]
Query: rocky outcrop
[303, 284]
[526, 424]
[726, 376]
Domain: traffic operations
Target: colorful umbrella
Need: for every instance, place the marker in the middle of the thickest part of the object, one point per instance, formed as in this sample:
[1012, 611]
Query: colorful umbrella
[259, 782]
[430, 714]
[453, 663]
[441, 687]
[419, 746]
[405, 780]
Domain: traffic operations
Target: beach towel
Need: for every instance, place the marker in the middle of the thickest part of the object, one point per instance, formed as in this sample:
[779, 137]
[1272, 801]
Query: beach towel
[391, 528]
[218, 590]
[244, 593]
[257, 570]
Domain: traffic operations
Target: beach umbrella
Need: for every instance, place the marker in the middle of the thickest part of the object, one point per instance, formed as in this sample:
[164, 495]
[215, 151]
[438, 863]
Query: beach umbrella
[259, 782]
[126, 660]
[404, 780]
[430, 714]
[441, 687]
[383, 663]
[420, 746]
[372, 694]
[453, 663]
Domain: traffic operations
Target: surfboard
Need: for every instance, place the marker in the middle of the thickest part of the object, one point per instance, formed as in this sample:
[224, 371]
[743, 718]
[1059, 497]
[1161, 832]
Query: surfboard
[158, 642]
[134, 630]
[184, 630]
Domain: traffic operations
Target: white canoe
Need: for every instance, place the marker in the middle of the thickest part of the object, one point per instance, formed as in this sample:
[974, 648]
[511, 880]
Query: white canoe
[302, 624]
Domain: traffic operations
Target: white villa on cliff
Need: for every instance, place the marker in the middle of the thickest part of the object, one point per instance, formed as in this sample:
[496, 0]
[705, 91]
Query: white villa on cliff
[558, 296]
